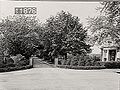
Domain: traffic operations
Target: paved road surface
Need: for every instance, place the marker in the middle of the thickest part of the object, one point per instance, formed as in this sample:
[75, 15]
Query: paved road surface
[60, 79]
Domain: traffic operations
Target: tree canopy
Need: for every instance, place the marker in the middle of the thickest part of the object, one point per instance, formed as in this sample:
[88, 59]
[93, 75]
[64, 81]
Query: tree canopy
[59, 35]
[107, 23]
[20, 35]
[65, 32]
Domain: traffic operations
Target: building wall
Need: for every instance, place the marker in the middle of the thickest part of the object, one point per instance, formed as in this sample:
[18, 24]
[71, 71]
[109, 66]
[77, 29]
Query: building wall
[106, 53]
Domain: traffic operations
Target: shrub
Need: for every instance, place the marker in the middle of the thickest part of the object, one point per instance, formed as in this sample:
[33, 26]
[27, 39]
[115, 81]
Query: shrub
[8, 60]
[10, 65]
[112, 64]
[17, 58]
[7, 69]
[23, 62]
[82, 61]
[2, 65]
[7, 65]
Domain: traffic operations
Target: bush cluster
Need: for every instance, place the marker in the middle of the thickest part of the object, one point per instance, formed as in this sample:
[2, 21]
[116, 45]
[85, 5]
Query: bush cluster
[14, 63]
[81, 67]
[23, 62]
[82, 61]
[7, 65]
[7, 69]
[112, 64]
[102, 65]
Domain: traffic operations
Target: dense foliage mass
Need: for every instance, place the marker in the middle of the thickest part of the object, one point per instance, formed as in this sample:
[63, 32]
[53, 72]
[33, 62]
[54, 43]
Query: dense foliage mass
[65, 34]
[59, 35]
[81, 60]
[19, 36]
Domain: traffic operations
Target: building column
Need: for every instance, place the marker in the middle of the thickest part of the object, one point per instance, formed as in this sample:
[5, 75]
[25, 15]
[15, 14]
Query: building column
[102, 54]
[117, 55]
[107, 55]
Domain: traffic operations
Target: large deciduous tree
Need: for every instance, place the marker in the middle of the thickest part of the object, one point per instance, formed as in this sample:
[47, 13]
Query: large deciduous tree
[21, 35]
[65, 34]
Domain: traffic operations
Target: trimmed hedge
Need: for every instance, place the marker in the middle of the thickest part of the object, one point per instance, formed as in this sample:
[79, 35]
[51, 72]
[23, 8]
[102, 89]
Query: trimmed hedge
[112, 65]
[7, 65]
[81, 67]
[87, 60]
[7, 69]
[104, 65]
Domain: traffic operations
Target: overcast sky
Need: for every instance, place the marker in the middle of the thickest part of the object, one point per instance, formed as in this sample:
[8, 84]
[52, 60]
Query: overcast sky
[46, 9]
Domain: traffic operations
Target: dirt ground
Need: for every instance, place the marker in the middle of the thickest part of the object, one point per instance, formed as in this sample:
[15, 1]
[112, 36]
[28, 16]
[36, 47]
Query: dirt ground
[60, 79]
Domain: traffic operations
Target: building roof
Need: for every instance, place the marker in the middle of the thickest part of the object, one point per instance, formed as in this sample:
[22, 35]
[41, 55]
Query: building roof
[109, 43]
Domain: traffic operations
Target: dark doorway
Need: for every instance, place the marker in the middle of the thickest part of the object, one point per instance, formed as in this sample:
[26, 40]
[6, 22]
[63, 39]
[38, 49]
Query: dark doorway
[112, 54]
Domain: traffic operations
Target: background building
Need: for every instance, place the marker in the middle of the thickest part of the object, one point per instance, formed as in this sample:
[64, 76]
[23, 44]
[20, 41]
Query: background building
[110, 50]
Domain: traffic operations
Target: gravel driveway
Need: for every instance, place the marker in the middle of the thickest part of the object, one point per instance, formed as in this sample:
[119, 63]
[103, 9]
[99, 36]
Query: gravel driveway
[60, 79]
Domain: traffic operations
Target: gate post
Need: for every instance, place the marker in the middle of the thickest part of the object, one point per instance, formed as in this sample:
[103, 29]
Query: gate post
[31, 61]
[56, 61]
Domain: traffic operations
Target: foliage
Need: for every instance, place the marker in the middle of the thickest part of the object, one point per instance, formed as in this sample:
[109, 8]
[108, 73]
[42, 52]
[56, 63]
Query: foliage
[89, 61]
[65, 34]
[61, 34]
[23, 62]
[7, 65]
[112, 65]
[111, 9]
[9, 62]
[106, 24]
[8, 69]
[86, 60]
[20, 35]
[100, 28]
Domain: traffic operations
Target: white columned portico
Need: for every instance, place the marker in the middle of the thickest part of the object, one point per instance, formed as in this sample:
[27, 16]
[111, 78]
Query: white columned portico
[105, 54]
[109, 54]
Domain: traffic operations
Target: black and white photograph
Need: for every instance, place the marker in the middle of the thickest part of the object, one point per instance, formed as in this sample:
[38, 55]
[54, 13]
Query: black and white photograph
[59, 45]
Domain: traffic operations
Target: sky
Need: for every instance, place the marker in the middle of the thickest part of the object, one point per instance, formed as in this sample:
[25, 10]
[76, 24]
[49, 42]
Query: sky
[45, 9]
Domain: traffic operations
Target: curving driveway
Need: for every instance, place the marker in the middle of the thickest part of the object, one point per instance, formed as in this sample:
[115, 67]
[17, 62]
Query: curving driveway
[60, 79]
